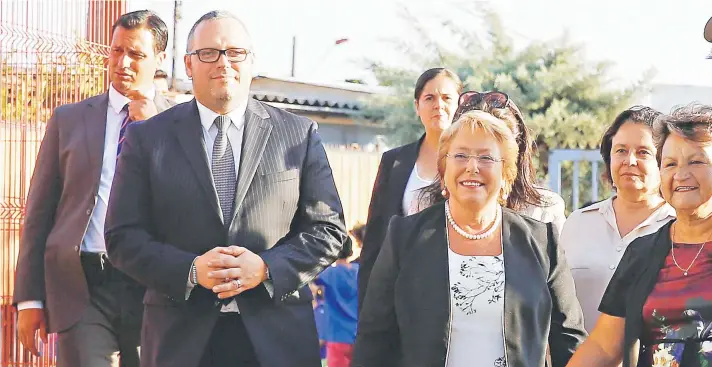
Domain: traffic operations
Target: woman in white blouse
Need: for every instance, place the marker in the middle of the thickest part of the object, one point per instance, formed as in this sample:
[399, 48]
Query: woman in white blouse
[595, 237]
[469, 282]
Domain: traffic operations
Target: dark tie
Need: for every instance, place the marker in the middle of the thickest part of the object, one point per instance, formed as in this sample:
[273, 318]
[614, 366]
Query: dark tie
[223, 168]
[125, 123]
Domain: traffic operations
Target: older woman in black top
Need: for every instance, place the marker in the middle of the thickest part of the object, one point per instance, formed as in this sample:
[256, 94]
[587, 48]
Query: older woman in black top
[467, 282]
[661, 293]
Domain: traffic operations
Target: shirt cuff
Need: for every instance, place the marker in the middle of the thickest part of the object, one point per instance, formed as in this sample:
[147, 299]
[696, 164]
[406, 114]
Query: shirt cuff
[189, 286]
[188, 289]
[270, 287]
[24, 305]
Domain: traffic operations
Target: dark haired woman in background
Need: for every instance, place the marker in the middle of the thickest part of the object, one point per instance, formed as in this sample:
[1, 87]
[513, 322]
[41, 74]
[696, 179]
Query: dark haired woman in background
[595, 237]
[407, 169]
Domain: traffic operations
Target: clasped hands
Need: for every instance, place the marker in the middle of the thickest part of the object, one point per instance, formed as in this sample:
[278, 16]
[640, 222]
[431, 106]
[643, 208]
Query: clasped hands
[229, 271]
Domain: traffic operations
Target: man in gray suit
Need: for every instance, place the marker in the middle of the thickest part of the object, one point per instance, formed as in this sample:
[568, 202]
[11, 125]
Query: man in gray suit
[64, 281]
[225, 208]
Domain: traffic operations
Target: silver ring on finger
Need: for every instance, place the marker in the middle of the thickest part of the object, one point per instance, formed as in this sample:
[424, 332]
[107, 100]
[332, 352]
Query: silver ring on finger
[238, 283]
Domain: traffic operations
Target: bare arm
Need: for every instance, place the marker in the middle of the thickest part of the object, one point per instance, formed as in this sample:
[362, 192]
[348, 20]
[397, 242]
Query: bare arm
[604, 347]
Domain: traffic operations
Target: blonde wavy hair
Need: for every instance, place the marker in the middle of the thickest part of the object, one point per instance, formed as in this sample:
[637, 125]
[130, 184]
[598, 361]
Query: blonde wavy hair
[498, 129]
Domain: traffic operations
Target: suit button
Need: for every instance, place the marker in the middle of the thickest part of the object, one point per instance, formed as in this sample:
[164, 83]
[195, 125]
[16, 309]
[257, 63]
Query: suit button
[88, 211]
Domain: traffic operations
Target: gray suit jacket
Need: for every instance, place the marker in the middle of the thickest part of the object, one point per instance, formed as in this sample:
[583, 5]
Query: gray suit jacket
[163, 212]
[61, 198]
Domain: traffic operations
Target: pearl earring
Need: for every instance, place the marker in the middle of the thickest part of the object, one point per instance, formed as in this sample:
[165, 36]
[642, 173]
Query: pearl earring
[444, 192]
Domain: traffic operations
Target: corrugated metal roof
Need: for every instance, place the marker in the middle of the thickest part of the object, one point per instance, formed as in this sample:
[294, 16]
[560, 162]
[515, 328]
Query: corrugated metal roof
[353, 106]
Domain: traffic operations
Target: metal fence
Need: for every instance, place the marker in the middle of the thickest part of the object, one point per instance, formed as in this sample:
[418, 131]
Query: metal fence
[354, 174]
[51, 53]
[566, 168]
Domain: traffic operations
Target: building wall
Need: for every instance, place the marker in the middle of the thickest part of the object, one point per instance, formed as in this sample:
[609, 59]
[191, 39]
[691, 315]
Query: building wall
[666, 96]
[364, 136]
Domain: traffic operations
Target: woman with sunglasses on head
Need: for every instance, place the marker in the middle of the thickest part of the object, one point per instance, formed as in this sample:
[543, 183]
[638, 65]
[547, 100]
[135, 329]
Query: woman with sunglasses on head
[467, 281]
[526, 198]
[660, 297]
[405, 170]
[595, 237]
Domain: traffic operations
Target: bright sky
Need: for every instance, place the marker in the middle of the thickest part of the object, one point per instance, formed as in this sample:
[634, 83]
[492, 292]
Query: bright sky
[635, 34]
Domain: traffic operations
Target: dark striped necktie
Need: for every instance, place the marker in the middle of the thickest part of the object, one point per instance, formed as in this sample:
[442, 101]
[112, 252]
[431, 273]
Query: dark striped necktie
[124, 124]
[223, 168]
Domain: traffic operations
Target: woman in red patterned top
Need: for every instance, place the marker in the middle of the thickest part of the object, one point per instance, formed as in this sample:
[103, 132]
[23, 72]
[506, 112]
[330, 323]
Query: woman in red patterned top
[661, 293]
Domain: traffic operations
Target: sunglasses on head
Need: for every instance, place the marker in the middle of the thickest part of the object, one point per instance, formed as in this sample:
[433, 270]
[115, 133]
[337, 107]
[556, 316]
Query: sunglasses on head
[471, 100]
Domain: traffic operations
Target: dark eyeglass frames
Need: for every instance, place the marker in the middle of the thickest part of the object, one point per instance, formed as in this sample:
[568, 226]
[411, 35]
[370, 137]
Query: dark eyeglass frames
[211, 55]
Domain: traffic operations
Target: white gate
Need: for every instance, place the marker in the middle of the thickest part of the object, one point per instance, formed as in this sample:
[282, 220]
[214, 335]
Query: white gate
[559, 156]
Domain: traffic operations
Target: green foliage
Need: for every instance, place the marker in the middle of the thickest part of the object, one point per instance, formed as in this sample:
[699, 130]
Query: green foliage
[568, 102]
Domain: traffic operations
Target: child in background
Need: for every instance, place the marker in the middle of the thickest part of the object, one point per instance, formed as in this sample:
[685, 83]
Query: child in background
[319, 318]
[339, 283]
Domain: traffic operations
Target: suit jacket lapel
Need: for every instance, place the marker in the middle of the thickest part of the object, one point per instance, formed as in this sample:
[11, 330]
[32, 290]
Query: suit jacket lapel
[520, 272]
[95, 130]
[440, 277]
[189, 133]
[428, 281]
[254, 140]
[402, 167]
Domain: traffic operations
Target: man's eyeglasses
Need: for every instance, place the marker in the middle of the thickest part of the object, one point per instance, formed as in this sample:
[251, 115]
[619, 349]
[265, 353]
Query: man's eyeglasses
[471, 100]
[483, 160]
[211, 55]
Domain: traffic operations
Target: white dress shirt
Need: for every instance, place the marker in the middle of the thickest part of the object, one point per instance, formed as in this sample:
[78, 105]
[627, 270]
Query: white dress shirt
[594, 247]
[93, 240]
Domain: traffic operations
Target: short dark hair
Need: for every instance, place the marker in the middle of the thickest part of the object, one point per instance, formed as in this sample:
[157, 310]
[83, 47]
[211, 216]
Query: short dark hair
[358, 232]
[637, 114]
[348, 250]
[212, 15]
[160, 74]
[430, 74]
[149, 20]
[692, 122]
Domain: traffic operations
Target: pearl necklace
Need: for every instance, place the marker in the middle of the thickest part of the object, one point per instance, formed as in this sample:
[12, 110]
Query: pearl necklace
[487, 233]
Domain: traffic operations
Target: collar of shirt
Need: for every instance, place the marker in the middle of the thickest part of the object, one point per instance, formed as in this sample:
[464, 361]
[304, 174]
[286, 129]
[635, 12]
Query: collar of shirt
[605, 208]
[208, 116]
[117, 101]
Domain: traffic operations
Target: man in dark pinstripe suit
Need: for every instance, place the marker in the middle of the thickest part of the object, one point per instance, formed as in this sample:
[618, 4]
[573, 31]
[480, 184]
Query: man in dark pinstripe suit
[225, 208]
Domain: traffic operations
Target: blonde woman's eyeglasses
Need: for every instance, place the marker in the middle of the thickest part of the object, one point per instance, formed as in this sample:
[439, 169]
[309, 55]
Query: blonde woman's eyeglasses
[483, 160]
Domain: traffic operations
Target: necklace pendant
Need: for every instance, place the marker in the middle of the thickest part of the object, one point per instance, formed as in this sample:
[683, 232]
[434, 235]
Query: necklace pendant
[685, 273]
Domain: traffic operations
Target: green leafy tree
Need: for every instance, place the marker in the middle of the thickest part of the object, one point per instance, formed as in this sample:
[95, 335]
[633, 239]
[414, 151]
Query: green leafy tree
[567, 101]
